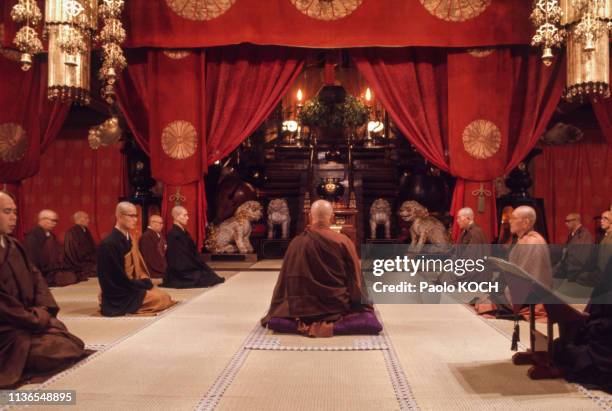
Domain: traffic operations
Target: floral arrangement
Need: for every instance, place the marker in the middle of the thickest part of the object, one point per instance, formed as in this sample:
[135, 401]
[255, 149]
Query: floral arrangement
[351, 113]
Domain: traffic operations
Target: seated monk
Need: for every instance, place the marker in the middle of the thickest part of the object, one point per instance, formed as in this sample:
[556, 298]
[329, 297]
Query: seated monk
[186, 269]
[319, 289]
[126, 286]
[530, 253]
[33, 342]
[152, 246]
[80, 248]
[45, 252]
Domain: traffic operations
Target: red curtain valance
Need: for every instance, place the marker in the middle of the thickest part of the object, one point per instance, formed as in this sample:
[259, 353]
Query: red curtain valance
[345, 23]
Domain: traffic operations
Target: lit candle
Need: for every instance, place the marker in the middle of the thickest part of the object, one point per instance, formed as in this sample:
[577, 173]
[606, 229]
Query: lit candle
[368, 95]
[299, 96]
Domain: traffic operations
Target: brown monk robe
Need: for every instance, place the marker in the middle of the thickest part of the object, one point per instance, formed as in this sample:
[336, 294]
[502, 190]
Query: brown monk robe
[45, 252]
[152, 246]
[80, 248]
[33, 342]
[319, 282]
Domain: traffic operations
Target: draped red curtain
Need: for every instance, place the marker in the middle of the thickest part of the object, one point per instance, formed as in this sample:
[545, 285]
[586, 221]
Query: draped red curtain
[28, 123]
[603, 112]
[195, 107]
[74, 177]
[573, 178]
[486, 108]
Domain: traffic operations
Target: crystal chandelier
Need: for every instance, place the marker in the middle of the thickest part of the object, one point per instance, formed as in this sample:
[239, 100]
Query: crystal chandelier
[26, 12]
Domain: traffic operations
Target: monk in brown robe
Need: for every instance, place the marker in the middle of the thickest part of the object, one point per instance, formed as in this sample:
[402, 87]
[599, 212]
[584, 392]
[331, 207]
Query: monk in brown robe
[46, 253]
[80, 248]
[124, 280]
[152, 245]
[319, 285]
[33, 342]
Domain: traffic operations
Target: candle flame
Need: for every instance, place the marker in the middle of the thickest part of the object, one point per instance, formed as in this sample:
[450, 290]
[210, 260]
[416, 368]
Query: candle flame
[368, 94]
[299, 94]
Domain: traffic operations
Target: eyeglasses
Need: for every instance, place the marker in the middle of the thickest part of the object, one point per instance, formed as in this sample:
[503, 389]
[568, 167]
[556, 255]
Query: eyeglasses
[131, 215]
[55, 220]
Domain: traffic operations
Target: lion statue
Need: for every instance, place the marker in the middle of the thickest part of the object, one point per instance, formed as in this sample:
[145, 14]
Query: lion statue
[380, 213]
[232, 235]
[278, 214]
[424, 228]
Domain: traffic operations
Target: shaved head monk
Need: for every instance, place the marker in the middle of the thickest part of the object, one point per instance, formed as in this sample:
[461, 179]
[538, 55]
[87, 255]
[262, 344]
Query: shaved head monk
[124, 279]
[186, 269]
[46, 253]
[152, 245]
[319, 289]
[33, 342]
[80, 248]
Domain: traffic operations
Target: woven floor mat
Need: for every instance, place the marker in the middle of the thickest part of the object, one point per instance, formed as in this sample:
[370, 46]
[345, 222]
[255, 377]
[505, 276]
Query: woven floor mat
[453, 360]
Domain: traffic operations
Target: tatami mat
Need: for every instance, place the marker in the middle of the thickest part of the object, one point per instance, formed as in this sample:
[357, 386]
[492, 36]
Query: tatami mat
[453, 360]
[203, 353]
[271, 264]
[332, 381]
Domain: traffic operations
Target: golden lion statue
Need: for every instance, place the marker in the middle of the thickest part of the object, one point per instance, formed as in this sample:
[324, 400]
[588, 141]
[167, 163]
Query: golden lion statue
[232, 235]
[424, 228]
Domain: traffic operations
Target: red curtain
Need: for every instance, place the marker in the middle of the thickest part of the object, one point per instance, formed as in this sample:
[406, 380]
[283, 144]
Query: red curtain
[485, 108]
[603, 112]
[74, 177]
[196, 107]
[573, 178]
[28, 123]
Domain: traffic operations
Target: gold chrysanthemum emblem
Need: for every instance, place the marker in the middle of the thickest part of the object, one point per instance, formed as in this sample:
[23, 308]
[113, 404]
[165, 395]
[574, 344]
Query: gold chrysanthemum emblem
[200, 9]
[176, 54]
[326, 9]
[13, 142]
[481, 139]
[179, 140]
[455, 10]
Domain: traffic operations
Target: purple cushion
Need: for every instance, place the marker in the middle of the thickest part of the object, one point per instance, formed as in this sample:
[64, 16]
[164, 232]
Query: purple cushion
[283, 325]
[358, 323]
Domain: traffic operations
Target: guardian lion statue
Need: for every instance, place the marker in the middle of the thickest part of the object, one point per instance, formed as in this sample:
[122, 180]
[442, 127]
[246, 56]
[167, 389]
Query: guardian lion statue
[424, 228]
[380, 213]
[278, 214]
[232, 235]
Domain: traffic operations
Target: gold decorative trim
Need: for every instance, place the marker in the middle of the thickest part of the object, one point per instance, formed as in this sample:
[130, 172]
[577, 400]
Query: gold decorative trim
[179, 140]
[481, 52]
[481, 139]
[327, 9]
[200, 10]
[455, 10]
[176, 54]
[13, 142]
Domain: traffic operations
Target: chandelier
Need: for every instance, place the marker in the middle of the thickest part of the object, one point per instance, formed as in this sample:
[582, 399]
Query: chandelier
[584, 25]
[70, 26]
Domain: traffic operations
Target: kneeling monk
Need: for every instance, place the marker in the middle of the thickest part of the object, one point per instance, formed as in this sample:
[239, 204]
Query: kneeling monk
[33, 342]
[319, 290]
[126, 289]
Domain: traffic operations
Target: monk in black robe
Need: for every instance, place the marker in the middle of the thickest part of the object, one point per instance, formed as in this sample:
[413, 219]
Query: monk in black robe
[152, 245]
[80, 248]
[319, 286]
[186, 269]
[126, 288]
[46, 253]
[33, 342]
